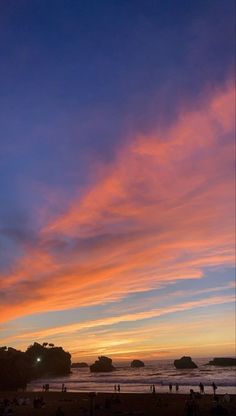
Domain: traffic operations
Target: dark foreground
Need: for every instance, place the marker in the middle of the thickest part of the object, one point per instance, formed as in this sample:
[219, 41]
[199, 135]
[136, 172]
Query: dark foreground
[105, 404]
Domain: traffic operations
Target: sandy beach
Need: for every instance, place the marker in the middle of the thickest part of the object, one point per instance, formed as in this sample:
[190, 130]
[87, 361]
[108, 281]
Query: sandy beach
[79, 404]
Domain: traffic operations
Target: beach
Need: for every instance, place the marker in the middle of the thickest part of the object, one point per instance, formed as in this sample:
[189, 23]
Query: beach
[138, 380]
[105, 404]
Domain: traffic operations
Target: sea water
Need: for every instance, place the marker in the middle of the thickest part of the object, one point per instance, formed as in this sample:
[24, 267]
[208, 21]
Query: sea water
[138, 380]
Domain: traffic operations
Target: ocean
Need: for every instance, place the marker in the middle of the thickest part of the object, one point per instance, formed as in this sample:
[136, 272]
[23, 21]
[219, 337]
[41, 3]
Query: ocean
[131, 380]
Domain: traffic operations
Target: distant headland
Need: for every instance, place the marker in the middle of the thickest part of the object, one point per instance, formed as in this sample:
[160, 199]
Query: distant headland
[18, 368]
[79, 365]
[223, 362]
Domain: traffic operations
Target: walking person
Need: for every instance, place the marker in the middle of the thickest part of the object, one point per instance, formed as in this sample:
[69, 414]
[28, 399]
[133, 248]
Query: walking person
[201, 387]
[214, 386]
[118, 388]
[170, 387]
[176, 387]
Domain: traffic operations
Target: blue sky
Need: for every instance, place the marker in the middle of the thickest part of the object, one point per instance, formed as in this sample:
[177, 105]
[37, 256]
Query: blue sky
[116, 170]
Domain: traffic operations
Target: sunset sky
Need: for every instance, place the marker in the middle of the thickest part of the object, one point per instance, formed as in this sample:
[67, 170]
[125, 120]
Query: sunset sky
[117, 177]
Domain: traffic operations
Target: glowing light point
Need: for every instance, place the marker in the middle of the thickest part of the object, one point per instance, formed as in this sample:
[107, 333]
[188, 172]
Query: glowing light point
[38, 360]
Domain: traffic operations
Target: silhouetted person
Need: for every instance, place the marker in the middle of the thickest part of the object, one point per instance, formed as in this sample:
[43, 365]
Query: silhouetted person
[217, 408]
[118, 388]
[115, 387]
[38, 402]
[201, 387]
[62, 387]
[226, 398]
[192, 394]
[189, 407]
[59, 412]
[170, 387]
[153, 389]
[92, 396]
[214, 386]
[176, 387]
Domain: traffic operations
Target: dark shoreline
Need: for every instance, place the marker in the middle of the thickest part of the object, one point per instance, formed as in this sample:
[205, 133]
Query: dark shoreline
[106, 404]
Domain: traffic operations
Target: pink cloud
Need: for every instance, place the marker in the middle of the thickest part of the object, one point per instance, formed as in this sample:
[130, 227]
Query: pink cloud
[163, 211]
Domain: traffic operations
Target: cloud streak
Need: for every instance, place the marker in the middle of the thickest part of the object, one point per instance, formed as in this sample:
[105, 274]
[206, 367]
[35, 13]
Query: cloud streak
[161, 212]
[131, 317]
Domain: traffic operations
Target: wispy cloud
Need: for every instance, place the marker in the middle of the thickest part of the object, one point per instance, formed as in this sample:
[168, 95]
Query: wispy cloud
[131, 317]
[159, 338]
[162, 212]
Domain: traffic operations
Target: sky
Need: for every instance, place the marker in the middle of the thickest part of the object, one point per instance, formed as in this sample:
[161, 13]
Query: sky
[117, 177]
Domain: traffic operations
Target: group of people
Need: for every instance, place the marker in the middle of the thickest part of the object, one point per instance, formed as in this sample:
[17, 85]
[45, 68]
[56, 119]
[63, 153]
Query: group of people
[153, 388]
[7, 405]
[176, 385]
[63, 388]
[46, 387]
[117, 388]
[192, 405]
[202, 388]
[39, 402]
[171, 387]
[217, 407]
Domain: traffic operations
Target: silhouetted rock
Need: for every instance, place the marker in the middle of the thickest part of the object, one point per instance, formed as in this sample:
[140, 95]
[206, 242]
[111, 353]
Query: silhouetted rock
[79, 365]
[137, 364]
[102, 365]
[18, 368]
[53, 361]
[184, 362]
[223, 362]
[15, 371]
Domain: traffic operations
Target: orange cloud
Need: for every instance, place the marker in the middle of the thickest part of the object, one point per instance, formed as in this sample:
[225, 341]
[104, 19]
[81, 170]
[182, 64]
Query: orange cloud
[163, 211]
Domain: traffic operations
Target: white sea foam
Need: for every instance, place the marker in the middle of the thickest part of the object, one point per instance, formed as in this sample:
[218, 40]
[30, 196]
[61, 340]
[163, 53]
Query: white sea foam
[160, 373]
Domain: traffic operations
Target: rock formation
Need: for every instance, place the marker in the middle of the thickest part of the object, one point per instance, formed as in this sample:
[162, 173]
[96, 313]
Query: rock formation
[103, 364]
[79, 365]
[137, 364]
[15, 371]
[184, 362]
[51, 361]
[18, 368]
[223, 362]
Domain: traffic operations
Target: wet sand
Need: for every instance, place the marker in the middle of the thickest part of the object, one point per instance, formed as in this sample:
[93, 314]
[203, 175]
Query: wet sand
[106, 404]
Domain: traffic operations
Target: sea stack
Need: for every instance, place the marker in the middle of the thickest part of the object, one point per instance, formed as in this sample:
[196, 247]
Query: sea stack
[223, 362]
[184, 362]
[102, 365]
[137, 364]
